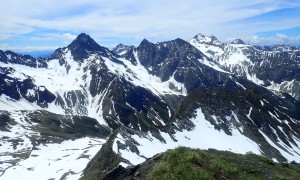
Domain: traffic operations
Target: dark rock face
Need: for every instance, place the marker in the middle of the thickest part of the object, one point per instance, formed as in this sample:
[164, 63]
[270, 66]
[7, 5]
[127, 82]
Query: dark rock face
[274, 66]
[82, 45]
[67, 127]
[179, 59]
[105, 160]
[44, 97]
[9, 85]
[125, 104]
[5, 119]
[58, 54]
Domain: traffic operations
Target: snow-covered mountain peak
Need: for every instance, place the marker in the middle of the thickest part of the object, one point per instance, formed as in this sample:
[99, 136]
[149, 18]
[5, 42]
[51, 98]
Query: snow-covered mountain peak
[211, 40]
[260, 64]
[209, 45]
[238, 41]
[283, 48]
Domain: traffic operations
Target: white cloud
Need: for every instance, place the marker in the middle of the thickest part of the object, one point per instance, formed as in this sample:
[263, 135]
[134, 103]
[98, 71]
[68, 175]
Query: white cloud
[5, 47]
[5, 36]
[69, 36]
[155, 20]
[66, 38]
[277, 39]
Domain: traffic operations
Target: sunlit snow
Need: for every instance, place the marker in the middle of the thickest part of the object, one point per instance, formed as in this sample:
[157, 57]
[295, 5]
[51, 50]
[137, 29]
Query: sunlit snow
[44, 161]
[204, 136]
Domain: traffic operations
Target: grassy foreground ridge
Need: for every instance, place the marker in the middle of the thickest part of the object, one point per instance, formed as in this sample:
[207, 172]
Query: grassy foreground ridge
[187, 163]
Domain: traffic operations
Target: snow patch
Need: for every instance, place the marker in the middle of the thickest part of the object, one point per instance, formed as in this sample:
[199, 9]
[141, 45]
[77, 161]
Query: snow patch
[204, 136]
[139, 76]
[54, 160]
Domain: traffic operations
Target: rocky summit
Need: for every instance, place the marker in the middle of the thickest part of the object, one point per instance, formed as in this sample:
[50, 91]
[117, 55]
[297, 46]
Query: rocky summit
[90, 112]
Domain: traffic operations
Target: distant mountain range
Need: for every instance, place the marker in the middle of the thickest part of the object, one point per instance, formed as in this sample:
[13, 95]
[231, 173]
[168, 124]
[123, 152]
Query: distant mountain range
[85, 109]
[41, 54]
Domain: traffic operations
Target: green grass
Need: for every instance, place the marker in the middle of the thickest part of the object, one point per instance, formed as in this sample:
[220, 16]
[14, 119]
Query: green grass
[186, 163]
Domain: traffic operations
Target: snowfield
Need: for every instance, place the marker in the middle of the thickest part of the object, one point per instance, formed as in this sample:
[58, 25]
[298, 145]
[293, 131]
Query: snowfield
[44, 161]
[58, 161]
[204, 136]
[139, 76]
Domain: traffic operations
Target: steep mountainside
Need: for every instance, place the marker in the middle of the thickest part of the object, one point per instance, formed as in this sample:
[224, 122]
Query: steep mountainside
[139, 101]
[277, 68]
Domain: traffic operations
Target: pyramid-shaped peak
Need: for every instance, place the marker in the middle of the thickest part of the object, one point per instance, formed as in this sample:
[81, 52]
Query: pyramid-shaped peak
[84, 41]
[145, 41]
[83, 37]
[84, 44]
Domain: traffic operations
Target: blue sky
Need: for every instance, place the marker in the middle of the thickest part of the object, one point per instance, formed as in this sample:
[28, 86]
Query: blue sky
[35, 25]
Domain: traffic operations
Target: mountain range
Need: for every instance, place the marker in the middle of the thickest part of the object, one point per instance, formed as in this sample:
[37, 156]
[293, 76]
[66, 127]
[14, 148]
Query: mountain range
[86, 110]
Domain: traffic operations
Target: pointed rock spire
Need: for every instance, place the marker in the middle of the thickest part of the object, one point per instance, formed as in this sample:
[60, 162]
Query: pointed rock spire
[82, 45]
